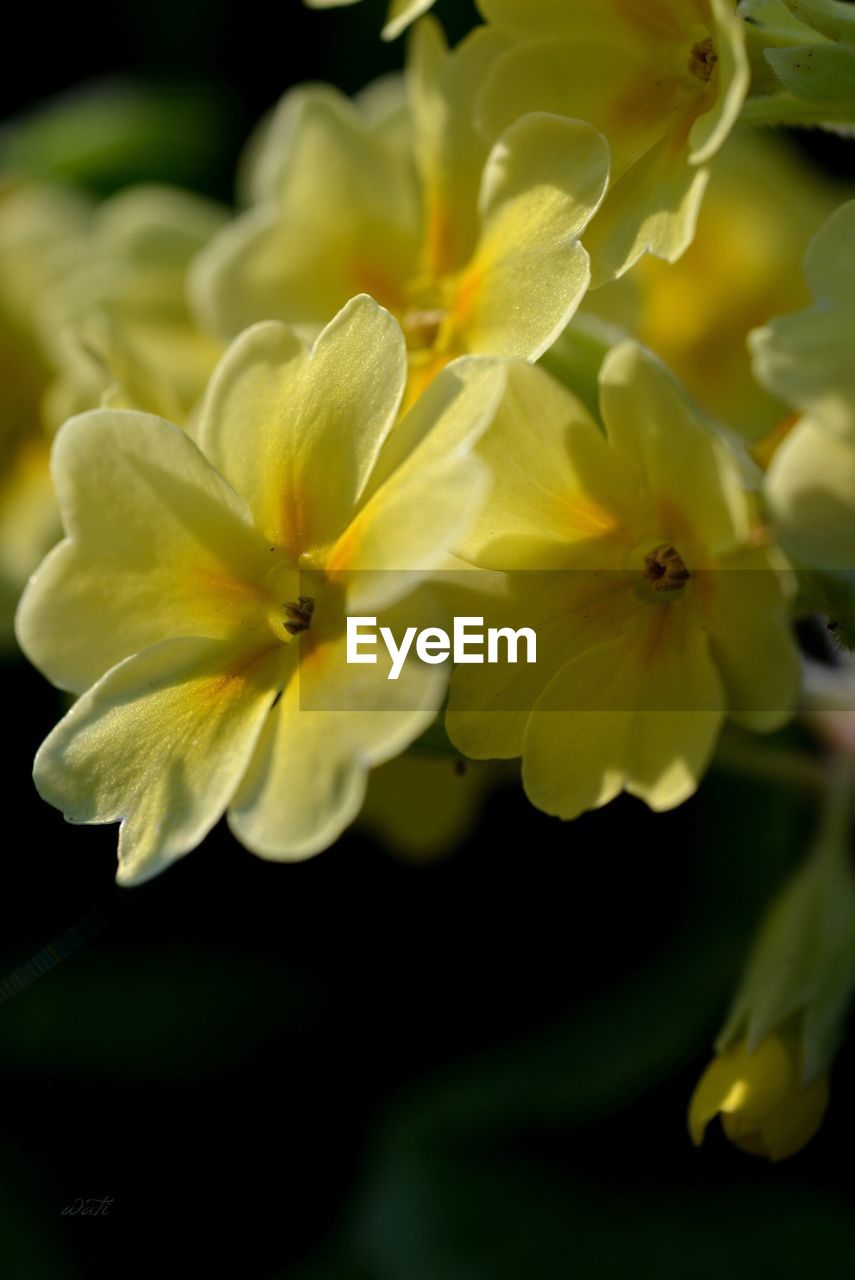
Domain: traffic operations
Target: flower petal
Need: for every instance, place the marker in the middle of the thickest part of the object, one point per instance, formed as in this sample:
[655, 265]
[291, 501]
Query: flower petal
[652, 208]
[640, 713]
[737, 1082]
[604, 81]
[160, 744]
[733, 75]
[810, 488]
[426, 488]
[333, 723]
[296, 431]
[343, 217]
[697, 493]
[543, 182]
[751, 639]
[401, 14]
[158, 545]
[789, 1127]
[559, 492]
[449, 150]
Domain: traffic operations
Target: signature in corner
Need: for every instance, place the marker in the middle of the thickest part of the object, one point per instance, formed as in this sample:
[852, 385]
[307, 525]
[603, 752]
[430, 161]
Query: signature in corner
[91, 1208]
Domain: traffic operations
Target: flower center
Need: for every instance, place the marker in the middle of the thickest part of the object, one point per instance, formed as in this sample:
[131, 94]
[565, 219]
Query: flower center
[664, 569]
[298, 614]
[424, 313]
[703, 59]
[421, 327]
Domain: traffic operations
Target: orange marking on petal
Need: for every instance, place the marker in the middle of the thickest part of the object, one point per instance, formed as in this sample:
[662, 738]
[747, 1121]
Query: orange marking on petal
[372, 279]
[655, 19]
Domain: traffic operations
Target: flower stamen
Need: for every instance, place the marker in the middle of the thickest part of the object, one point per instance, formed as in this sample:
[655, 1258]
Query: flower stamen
[299, 614]
[703, 59]
[664, 569]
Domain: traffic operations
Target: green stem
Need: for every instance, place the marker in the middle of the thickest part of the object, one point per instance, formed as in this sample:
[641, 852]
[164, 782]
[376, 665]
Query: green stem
[838, 808]
[782, 766]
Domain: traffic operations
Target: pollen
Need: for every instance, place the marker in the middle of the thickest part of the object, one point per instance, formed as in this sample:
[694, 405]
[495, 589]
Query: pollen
[664, 569]
[299, 615]
[703, 59]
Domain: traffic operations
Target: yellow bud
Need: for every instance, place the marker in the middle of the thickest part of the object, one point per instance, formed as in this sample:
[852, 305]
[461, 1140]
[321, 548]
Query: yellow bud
[765, 1107]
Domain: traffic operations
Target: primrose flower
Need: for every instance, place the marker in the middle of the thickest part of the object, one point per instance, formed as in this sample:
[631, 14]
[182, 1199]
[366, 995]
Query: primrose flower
[663, 81]
[124, 335]
[762, 207]
[763, 1105]
[769, 1081]
[635, 556]
[808, 359]
[199, 600]
[473, 250]
[421, 807]
[41, 231]
[401, 13]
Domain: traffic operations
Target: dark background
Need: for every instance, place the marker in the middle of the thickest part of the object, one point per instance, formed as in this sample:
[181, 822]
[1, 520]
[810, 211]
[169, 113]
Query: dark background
[359, 1068]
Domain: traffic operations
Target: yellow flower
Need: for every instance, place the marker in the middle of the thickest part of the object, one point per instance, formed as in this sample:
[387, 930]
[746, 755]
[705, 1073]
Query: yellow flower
[201, 593]
[632, 555]
[762, 206]
[421, 808]
[765, 1107]
[663, 80]
[769, 1081]
[41, 231]
[124, 335]
[473, 250]
[401, 13]
[808, 359]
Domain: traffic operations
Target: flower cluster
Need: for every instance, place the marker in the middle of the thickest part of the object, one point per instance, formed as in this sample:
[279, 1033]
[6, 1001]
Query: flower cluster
[520, 335]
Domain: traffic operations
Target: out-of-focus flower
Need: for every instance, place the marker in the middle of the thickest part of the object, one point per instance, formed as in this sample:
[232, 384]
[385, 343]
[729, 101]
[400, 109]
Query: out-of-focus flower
[201, 593]
[421, 807]
[828, 703]
[808, 359]
[764, 1107]
[401, 13]
[770, 1079]
[636, 558]
[123, 334]
[473, 251]
[663, 80]
[42, 229]
[762, 206]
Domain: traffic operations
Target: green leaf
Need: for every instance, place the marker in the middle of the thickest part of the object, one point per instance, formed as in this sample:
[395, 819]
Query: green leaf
[829, 17]
[818, 74]
[112, 133]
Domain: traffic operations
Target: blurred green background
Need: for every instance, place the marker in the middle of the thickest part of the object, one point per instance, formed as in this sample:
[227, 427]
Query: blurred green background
[359, 1068]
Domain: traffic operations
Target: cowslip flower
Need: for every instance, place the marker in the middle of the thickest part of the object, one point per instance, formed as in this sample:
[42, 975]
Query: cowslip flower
[401, 13]
[42, 229]
[769, 1080]
[198, 602]
[808, 360]
[472, 249]
[122, 333]
[764, 1107]
[421, 807]
[761, 208]
[663, 81]
[634, 556]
